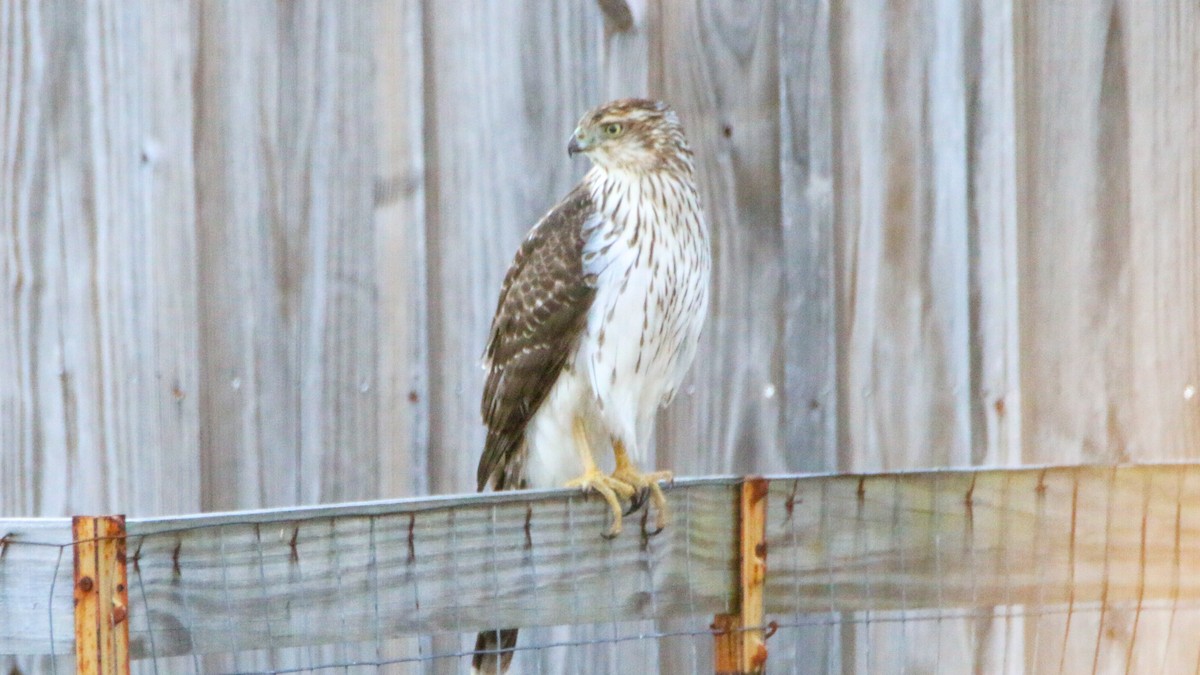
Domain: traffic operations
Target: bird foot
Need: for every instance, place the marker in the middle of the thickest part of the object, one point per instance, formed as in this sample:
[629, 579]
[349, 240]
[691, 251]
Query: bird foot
[610, 488]
[647, 484]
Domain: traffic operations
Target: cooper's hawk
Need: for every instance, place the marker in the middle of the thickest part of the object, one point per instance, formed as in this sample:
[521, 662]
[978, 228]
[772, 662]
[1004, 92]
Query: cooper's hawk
[597, 322]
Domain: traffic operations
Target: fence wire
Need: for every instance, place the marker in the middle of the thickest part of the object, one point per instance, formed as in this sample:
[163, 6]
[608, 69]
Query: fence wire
[1070, 570]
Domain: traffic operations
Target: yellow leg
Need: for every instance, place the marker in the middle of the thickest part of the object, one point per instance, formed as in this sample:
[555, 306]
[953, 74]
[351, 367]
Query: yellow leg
[629, 474]
[593, 480]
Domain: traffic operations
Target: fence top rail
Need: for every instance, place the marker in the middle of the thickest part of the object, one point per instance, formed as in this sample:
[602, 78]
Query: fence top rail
[954, 539]
[55, 531]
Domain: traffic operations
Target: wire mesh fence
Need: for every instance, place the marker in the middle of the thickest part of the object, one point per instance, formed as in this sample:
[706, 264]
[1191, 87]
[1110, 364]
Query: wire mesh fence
[1073, 569]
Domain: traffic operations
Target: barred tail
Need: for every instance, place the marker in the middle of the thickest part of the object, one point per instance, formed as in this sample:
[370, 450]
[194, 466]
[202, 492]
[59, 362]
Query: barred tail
[493, 651]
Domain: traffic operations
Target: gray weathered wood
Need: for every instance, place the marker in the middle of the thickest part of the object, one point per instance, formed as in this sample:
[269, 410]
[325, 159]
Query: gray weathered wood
[357, 572]
[809, 299]
[1073, 216]
[723, 81]
[992, 215]
[36, 586]
[328, 278]
[99, 321]
[1036, 541]
[807, 218]
[288, 264]
[401, 260]
[248, 250]
[901, 213]
[972, 539]
[902, 199]
[247, 359]
[1159, 48]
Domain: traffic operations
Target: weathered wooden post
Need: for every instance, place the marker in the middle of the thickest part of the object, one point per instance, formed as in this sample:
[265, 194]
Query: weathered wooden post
[101, 596]
[740, 646]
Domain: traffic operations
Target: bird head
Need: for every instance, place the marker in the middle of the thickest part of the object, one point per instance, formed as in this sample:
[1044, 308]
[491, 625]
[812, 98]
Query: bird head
[630, 134]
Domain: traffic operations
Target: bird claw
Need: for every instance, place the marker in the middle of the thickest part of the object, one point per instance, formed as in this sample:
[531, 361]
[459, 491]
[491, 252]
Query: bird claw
[646, 485]
[638, 500]
[608, 487]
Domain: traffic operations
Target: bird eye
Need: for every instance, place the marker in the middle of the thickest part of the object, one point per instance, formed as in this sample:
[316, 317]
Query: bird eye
[613, 129]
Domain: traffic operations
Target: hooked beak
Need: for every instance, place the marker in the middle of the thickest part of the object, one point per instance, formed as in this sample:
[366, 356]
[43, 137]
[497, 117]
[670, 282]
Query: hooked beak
[575, 146]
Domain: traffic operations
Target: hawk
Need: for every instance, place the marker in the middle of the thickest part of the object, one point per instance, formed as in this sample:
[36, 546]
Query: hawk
[597, 322]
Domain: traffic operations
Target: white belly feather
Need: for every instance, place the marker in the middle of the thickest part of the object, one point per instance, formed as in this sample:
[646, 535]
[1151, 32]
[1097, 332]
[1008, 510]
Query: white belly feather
[641, 336]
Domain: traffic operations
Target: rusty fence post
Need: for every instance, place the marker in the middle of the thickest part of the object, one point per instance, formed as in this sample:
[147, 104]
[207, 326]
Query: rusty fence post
[101, 596]
[740, 647]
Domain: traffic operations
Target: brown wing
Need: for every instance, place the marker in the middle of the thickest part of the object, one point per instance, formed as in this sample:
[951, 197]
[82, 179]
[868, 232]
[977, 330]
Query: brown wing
[539, 318]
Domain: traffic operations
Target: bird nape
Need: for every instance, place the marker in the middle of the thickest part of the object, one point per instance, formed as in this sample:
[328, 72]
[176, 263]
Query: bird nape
[597, 323]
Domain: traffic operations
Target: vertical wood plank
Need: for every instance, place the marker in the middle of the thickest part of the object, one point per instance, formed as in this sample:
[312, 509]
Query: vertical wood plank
[1074, 244]
[249, 438]
[328, 279]
[995, 358]
[99, 328]
[810, 415]
[401, 259]
[287, 254]
[901, 213]
[717, 64]
[1161, 53]
[902, 179]
[1073, 159]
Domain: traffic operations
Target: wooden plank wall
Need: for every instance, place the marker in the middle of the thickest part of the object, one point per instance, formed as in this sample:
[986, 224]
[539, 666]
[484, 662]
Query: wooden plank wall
[249, 250]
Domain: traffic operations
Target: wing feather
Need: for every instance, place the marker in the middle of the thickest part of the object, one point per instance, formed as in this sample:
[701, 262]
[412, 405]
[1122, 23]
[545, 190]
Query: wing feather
[541, 313]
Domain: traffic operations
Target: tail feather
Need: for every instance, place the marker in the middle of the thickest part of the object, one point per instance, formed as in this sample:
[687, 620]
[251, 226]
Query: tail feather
[493, 651]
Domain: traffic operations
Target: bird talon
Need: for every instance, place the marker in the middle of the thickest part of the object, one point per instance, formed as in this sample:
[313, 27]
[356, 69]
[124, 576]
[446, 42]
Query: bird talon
[647, 485]
[637, 500]
[609, 488]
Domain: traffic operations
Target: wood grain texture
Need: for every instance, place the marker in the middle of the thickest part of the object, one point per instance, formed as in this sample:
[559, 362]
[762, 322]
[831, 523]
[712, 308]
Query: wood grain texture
[810, 345]
[401, 264]
[1075, 231]
[1090, 542]
[99, 325]
[722, 79]
[901, 211]
[248, 251]
[499, 108]
[289, 265]
[995, 354]
[220, 584]
[902, 184]
[246, 357]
